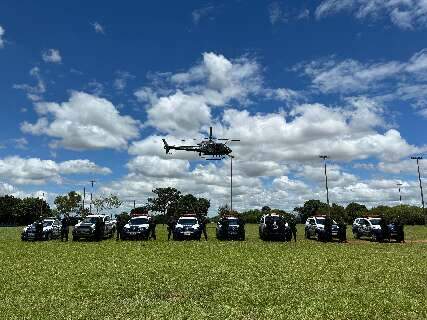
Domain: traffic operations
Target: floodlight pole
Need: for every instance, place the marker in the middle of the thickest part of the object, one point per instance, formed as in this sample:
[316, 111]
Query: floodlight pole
[231, 184]
[324, 157]
[84, 196]
[41, 206]
[91, 195]
[421, 186]
[400, 194]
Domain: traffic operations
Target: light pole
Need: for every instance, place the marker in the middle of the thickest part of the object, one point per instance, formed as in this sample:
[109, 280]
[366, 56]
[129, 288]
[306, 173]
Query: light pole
[231, 184]
[418, 158]
[324, 157]
[400, 194]
[91, 195]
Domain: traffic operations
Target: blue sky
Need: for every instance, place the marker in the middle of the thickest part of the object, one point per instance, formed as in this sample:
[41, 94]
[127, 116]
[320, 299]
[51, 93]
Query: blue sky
[88, 90]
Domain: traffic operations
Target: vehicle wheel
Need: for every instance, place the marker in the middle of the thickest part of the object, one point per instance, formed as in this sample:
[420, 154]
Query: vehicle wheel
[318, 237]
[48, 236]
[75, 238]
[306, 236]
[356, 235]
[374, 237]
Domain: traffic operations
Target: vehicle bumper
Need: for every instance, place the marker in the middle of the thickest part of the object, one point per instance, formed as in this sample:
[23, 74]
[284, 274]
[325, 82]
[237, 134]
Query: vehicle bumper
[83, 234]
[134, 234]
[187, 235]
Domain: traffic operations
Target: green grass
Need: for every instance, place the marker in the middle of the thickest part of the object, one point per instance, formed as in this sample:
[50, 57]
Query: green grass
[213, 280]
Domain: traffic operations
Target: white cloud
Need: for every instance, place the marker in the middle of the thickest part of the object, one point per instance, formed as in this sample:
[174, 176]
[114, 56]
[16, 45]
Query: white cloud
[121, 80]
[37, 171]
[276, 14]
[351, 76]
[214, 82]
[171, 168]
[2, 32]
[313, 129]
[405, 14]
[83, 122]
[98, 28]
[201, 13]
[407, 166]
[52, 56]
[34, 93]
[179, 113]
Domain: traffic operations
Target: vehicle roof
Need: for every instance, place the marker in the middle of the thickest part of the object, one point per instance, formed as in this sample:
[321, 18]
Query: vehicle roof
[141, 216]
[96, 216]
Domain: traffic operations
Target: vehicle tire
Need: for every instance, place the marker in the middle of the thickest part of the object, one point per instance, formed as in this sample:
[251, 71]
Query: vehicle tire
[75, 238]
[318, 237]
[356, 235]
[374, 237]
[48, 236]
[306, 236]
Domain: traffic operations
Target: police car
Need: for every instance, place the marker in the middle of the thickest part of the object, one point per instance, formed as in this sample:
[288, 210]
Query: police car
[370, 227]
[187, 227]
[274, 227]
[136, 228]
[315, 226]
[86, 228]
[230, 228]
[51, 230]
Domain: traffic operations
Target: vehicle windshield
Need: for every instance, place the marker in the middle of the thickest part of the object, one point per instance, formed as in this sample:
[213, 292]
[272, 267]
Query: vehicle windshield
[90, 220]
[320, 220]
[47, 223]
[272, 219]
[136, 221]
[375, 222]
[187, 221]
[233, 221]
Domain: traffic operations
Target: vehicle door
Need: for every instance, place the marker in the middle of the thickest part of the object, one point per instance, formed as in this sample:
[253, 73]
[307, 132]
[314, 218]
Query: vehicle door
[356, 225]
[56, 228]
[365, 229]
[261, 225]
[107, 223]
[311, 227]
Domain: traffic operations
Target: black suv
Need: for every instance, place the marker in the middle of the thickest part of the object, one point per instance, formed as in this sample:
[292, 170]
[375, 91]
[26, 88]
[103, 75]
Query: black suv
[230, 228]
[274, 227]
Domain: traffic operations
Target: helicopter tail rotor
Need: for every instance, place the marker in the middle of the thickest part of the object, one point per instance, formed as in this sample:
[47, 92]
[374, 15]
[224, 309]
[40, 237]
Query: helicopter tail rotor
[167, 148]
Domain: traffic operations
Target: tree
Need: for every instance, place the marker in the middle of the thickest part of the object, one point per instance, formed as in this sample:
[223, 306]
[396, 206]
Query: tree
[265, 209]
[68, 204]
[107, 203]
[30, 209]
[203, 206]
[166, 201]
[9, 209]
[354, 210]
[187, 204]
[311, 207]
[337, 212]
[139, 211]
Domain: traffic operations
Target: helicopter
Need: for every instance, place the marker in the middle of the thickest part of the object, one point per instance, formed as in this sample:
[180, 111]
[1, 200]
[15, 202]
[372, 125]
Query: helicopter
[207, 147]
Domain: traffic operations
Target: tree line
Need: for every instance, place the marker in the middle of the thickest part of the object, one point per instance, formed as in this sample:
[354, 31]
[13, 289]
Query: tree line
[410, 215]
[169, 201]
[166, 202]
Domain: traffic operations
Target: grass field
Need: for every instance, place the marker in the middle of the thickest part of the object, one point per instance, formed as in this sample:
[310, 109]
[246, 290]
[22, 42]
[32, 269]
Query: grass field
[213, 280]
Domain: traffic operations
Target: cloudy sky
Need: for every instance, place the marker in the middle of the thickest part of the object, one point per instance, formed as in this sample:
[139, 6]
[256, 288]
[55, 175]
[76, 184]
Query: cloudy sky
[88, 91]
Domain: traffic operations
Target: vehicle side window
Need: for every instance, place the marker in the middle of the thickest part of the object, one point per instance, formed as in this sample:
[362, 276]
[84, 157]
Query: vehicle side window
[312, 221]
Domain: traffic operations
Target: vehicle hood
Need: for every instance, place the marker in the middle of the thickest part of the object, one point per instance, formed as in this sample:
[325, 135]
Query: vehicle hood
[144, 225]
[85, 224]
